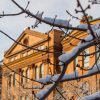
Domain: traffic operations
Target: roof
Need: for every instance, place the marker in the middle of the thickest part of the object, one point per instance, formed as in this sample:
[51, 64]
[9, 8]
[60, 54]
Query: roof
[76, 32]
[27, 31]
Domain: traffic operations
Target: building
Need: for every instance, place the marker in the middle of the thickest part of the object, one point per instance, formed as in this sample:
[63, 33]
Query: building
[30, 59]
[86, 86]
[29, 62]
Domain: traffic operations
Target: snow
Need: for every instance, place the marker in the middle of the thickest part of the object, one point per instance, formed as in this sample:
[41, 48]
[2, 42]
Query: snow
[45, 80]
[84, 26]
[92, 96]
[39, 15]
[53, 78]
[40, 94]
[97, 31]
[66, 76]
[57, 21]
[67, 56]
[96, 68]
[95, 28]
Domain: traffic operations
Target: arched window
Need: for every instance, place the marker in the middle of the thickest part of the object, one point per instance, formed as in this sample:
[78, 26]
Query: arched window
[14, 79]
[13, 98]
[22, 78]
[41, 70]
[10, 76]
[26, 41]
[33, 71]
[36, 72]
[27, 74]
[20, 98]
[26, 98]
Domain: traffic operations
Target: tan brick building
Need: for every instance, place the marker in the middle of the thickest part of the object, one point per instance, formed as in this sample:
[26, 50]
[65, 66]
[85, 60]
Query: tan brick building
[29, 62]
[85, 86]
[33, 64]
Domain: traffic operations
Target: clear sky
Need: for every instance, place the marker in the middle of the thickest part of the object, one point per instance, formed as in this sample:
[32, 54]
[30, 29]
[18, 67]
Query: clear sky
[14, 26]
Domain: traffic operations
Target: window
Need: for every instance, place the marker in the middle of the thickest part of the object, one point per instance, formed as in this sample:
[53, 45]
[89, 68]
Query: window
[12, 59]
[20, 98]
[26, 41]
[29, 52]
[75, 63]
[27, 74]
[13, 98]
[85, 87]
[14, 79]
[33, 71]
[42, 47]
[22, 78]
[16, 58]
[41, 70]
[98, 54]
[36, 72]
[24, 54]
[26, 98]
[9, 80]
[86, 58]
[99, 84]
[23, 98]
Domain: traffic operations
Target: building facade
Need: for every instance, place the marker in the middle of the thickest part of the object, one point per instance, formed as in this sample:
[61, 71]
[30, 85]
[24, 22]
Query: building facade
[32, 56]
[81, 87]
[30, 61]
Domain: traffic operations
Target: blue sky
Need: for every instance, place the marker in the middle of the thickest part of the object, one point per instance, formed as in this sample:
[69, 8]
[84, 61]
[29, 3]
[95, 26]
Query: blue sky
[15, 25]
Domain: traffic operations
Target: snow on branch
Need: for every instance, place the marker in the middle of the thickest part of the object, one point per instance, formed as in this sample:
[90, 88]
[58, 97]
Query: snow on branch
[96, 68]
[82, 45]
[40, 94]
[95, 1]
[39, 15]
[94, 96]
[65, 76]
[57, 21]
[50, 78]
[45, 79]
[66, 57]
[44, 20]
[84, 26]
[51, 20]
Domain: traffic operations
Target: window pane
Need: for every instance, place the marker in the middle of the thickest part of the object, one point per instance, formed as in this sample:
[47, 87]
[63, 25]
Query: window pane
[41, 70]
[22, 78]
[98, 55]
[9, 80]
[86, 58]
[76, 62]
[37, 73]
[27, 74]
[14, 79]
